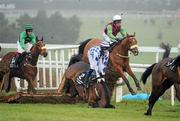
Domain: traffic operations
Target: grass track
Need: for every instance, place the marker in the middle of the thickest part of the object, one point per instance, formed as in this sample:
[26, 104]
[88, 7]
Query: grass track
[125, 111]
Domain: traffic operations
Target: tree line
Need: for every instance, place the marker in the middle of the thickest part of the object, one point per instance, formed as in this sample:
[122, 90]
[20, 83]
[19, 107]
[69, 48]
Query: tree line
[55, 29]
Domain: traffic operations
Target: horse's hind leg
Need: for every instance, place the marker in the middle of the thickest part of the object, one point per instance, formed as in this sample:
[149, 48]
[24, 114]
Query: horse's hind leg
[177, 89]
[157, 91]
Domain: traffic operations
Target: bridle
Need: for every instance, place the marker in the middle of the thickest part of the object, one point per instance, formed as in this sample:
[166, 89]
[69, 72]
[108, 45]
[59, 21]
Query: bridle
[130, 48]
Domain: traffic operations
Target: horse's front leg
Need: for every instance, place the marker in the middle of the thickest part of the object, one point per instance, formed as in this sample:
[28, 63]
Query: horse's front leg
[31, 87]
[129, 71]
[121, 74]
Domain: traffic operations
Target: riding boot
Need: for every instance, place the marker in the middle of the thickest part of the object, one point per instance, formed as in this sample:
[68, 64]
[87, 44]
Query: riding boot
[19, 58]
[86, 79]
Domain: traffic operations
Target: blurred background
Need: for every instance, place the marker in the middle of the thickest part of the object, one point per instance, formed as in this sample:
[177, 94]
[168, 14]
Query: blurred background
[73, 21]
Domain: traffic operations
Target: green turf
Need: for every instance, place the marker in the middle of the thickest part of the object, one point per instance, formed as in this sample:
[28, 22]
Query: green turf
[125, 111]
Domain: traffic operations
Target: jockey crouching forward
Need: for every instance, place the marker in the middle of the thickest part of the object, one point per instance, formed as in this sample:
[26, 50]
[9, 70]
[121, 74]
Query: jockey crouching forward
[26, 40]
[113, 29]
[98, 58]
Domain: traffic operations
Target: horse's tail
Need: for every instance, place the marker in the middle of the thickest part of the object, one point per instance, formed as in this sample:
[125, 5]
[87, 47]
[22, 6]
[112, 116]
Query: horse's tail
[146, 73]
[74, 59]
[82, 45]
[167, 49]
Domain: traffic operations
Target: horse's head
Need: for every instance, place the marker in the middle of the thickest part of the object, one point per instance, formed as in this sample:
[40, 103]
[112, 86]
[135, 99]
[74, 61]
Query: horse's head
[132, 44]
[39, 47]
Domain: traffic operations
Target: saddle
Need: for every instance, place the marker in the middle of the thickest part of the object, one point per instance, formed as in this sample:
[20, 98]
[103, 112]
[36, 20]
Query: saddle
[17, 59]
[81, 79]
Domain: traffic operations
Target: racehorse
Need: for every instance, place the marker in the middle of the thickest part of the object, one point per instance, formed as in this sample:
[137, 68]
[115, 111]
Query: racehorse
[162, 79]
[166, 54]
[97, 94]
[27, 69]
[118, 58]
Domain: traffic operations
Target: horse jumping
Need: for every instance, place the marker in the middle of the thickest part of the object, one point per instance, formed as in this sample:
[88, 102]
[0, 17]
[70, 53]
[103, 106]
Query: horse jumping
[119, 59]
[162, 79]
[27, 69]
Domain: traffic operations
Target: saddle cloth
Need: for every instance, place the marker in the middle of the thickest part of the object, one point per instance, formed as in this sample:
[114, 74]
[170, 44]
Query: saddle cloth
[80, 80]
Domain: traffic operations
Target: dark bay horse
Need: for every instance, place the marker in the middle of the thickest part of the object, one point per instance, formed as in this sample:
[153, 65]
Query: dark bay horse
[162, 79]
[27, 68]
[166, 54]
[97, 94]
[119, 59]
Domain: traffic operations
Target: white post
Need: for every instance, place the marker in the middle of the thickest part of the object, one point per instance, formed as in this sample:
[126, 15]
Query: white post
[57, 73]
[44, 72]
[50, 68]
[172, 95]
[37, 76]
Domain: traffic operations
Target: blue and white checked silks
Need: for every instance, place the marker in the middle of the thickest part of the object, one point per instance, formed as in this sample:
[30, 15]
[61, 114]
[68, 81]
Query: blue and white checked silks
[97, 61]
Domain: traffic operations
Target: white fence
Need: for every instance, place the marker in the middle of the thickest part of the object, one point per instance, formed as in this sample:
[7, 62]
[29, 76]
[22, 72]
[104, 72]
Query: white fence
[51, 68]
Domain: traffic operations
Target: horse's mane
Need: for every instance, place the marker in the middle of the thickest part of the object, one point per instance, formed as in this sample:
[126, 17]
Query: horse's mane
[82, 45]
[118, 42]
[74, 59]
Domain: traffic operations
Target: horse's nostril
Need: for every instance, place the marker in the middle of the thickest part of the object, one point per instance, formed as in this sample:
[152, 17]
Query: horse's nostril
[45, 54]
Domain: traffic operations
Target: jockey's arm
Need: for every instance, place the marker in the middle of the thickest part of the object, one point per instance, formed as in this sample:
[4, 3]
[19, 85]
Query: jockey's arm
[22, 41]
[123, 32]
[33, 37]
[110, 34]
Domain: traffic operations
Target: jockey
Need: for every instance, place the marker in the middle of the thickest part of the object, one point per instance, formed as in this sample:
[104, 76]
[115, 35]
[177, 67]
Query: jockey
[112, 29]
[98, 58]
[174, 64]
[26, 40]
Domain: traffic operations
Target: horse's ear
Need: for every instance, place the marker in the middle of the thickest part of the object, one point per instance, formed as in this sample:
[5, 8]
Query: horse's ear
[134, 33]
[127, 35]
[42, 38]
[36, 38]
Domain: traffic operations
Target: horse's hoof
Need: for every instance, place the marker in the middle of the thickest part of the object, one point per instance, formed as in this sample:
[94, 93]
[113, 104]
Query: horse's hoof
[111, 106]
[133, 93]
[139, 88]
[147, 114]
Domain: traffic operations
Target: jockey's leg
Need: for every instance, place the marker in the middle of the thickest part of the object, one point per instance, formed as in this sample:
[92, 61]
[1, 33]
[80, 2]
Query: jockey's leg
[28, 47]
[19, 48]
[93, 62]
[103, 64]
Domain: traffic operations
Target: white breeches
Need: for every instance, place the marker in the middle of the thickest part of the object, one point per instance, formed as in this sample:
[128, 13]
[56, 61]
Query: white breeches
[27, 49]
[98, 63]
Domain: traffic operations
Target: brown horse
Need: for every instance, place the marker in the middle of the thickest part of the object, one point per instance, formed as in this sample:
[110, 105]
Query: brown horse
[162, 79]
[97, 94]
[119, 59]
[166, 54]
[27, 68]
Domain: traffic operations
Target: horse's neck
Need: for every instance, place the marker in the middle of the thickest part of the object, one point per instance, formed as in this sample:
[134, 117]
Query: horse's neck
[35, 56]
[122, 48]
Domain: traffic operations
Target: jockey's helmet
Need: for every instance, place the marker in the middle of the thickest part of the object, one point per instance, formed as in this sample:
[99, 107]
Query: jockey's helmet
[117, 18]
[105, 44]
[28, 27]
